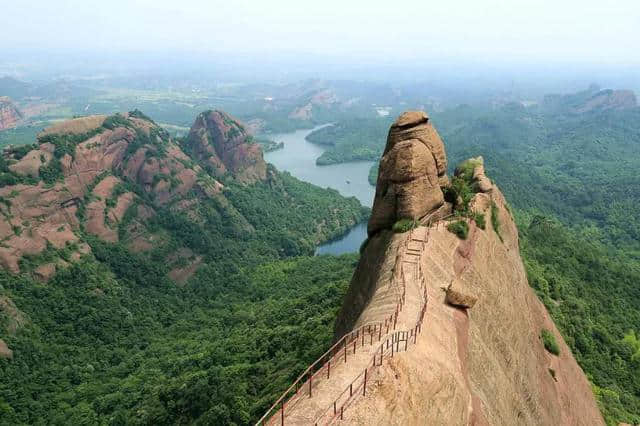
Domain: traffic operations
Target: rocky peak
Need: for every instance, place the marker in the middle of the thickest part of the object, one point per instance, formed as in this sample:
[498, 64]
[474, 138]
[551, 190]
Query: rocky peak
[81, 175]
[9, 114]
[478, 357]
[225, 145]
[412, 170]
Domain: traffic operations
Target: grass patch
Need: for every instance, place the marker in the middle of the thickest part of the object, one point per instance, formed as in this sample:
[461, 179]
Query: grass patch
[404, 225]
[460, 228]
[495, 219]
[480, 220]
[465, 169]
[549, 341]
[462, 188]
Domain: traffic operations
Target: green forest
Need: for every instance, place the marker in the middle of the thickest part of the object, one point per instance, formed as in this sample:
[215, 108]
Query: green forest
[113, 341]
[356, 139]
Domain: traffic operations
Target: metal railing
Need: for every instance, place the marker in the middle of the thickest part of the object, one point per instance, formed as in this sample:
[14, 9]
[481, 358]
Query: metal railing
[391, 345]
[339, 351]
[346, 348]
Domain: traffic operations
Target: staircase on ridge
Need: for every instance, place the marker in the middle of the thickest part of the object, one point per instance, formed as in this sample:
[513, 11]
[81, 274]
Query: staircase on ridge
[327, 387]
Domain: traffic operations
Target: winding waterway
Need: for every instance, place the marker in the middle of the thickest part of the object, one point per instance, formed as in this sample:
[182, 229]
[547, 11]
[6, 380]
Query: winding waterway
[298, 157]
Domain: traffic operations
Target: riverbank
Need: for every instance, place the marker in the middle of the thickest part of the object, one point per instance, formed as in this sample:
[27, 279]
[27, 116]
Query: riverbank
[298, 157]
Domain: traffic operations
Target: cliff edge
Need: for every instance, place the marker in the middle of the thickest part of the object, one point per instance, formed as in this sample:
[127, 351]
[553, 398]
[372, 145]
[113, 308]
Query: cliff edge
[479, 358]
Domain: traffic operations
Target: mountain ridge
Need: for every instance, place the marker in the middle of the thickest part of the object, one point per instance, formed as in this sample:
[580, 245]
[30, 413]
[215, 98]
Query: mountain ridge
[482, 333]
[482, 355]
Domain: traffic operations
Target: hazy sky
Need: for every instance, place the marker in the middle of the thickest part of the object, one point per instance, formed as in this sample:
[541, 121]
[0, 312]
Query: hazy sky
[588, 31]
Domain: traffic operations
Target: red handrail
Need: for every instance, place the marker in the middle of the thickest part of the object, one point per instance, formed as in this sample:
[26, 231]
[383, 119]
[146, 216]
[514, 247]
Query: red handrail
[331, 353]
[287, 398]
[395, 340]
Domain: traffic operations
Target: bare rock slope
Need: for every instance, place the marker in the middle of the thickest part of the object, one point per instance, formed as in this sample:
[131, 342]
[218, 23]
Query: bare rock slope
[223, 142]
[485, 365]
[106, 177]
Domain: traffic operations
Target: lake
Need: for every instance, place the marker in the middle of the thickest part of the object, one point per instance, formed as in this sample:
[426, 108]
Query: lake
[298, 157]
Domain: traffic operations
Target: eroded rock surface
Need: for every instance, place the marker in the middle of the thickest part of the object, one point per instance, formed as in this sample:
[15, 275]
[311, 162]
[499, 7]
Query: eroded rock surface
[101, 154]
[224, 143]
[412, 170]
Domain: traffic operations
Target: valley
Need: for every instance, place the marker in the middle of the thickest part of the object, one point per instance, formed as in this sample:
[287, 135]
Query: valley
[576, 165]
[319, 213]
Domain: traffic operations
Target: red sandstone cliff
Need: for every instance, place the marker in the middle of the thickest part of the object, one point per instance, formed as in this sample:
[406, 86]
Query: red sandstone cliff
[224, 143]
[76, 179]
[485, 365]
[459, 312]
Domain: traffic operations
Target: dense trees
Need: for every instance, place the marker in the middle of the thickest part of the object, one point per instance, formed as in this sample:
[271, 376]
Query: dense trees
[115, 342]
[593, 296]
[352, 140]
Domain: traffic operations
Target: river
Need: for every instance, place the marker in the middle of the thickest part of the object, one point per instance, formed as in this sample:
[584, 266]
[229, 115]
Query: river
[298, 157]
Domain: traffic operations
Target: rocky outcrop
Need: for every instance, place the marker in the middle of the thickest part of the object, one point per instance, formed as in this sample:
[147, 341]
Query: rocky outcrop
[224, 145]
[44, 272]
[9, 114]
[75, 126]
[412, 170]
[480, 366]
[458, 295]
[30, 164]
[11, 317]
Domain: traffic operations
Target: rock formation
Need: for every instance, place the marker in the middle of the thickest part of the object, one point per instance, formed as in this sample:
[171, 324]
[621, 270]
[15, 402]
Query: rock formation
[11, 319]
[479, 359]
[226, 146]
[9, 114]
[412, 170]
[76, 179]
